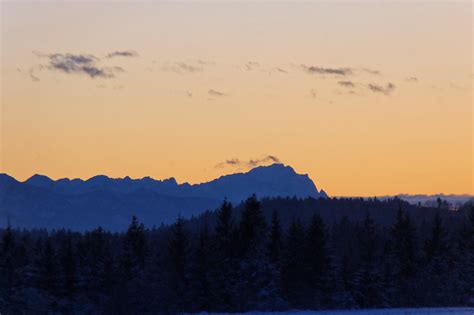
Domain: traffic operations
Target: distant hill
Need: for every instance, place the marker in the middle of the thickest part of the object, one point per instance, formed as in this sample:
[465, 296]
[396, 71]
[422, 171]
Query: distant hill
[77, 204]
[431, 200]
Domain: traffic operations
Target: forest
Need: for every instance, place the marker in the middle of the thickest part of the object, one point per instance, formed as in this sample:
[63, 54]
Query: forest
[268, 254]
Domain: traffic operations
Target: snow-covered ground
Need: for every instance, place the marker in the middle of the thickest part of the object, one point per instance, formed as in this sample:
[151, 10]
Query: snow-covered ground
[392, 311]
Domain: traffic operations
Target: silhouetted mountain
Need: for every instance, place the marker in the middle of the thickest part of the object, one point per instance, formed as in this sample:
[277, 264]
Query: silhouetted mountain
[110, 202]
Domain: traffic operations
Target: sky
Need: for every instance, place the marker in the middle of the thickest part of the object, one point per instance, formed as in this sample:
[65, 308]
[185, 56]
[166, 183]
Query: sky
[368, 98]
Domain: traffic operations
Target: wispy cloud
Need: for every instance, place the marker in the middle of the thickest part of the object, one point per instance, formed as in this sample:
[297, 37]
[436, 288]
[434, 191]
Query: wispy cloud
[387, 89]
[235, 162]
[216, 93]
[252, 65]
[185, 67]
[371, 71]
[188, 67]
[33, 77]
[411, 79]
[323, 70]
[122, 53]
[79, 64]
[346, 84]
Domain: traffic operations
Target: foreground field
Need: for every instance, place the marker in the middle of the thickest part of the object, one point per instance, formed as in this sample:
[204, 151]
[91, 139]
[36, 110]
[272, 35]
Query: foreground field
[395, 311]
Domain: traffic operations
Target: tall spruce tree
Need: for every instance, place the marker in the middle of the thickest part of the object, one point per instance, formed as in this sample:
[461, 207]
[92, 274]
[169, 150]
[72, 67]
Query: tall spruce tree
[201, 280]
[7, 269]
[136, 241]
[68, 266]
[369, 291]
[252, 226]
[317, 263]
[178, 249]
[224, 230]
[405, 258]
[466, 260]
[274, 249]
[294, 282]
[436, 276]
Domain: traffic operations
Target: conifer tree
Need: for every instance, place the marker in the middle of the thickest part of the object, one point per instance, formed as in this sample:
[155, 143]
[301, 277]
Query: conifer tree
[368, 281]
[317, 263]
[201, 283]
[252, 225]
[48, 268]
[224, 230]
[466, 254]
[68, 266]
[293, 269]
[178, 249]
[275, 244]
[136, 241]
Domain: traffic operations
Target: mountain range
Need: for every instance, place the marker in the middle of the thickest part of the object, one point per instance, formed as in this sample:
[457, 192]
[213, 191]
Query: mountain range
[41, 202]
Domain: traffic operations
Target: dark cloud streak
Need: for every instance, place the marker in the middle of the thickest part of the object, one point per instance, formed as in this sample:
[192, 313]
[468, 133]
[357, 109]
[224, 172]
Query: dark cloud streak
[322, 70]
[346, 84]
[235, 162]
[80, 64]
[216, 93]
[382, 89]
[124, 53]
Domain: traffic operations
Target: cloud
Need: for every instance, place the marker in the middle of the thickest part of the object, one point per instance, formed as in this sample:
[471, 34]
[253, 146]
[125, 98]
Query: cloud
[281, 70]
[346, 84]
[33, 77]
[251, 65]
[216, 93]
[188, 66]
[235, 162]
[205, 62]
[371, 71]
[322, 70]
[382, 89]
[79, 64]
[266, 159]
[123, 53]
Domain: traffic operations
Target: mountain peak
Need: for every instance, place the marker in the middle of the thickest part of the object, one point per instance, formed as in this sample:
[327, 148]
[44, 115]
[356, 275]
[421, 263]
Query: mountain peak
[6, 179]
[39, 180]
[101, 198]
[277, 167]
[266, 181]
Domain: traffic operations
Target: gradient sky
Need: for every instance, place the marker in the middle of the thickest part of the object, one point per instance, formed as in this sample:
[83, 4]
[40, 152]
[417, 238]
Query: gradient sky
[368, 98]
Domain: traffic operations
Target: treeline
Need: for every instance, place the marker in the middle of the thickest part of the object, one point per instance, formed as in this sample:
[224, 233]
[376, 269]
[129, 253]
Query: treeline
[240, 262]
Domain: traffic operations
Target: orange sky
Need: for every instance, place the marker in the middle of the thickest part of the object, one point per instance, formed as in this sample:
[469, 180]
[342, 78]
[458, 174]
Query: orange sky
[368, 98]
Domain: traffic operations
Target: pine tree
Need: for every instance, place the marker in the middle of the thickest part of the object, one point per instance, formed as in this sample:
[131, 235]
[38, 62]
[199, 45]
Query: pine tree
[317, 263]
[435, 246]
[224, 231]
[404, 253]
[136, 241]
[224, 274]
[252, 226]
[48, 268]
[68, 267]
[200, 284]
[7, 269]
[178, 248]
[466, 254]
[369, 291]
[274, 249]
[437, 275]
[293, 268]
